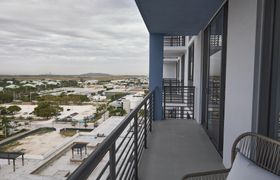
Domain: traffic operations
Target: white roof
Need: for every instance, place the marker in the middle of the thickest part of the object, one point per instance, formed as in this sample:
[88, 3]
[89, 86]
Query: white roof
[99, 97]
[117, 90]
[91, 81]
[29, 85]
[23, 82]
[39, 83]
[116, 103]
[52, 83]
[12, 86]
[134, 99]
[108, 125]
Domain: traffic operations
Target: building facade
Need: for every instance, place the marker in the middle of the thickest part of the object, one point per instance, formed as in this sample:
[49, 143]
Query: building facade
[231, 60]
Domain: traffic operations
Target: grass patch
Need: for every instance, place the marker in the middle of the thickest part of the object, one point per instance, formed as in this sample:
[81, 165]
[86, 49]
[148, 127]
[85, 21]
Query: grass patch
[10, 146]
[42, 131]
[68, 132]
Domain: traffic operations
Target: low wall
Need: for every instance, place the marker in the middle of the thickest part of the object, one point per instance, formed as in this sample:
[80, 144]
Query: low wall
[77, 129]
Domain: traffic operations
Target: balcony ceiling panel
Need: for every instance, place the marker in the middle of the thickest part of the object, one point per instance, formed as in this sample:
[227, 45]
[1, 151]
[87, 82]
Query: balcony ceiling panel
[174, 51]
[177, 17]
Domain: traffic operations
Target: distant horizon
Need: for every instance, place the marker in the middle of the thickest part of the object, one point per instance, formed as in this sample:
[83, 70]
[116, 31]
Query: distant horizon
[81, 74]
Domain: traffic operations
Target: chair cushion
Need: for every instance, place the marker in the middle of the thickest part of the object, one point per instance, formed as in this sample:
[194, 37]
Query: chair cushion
[245, 169]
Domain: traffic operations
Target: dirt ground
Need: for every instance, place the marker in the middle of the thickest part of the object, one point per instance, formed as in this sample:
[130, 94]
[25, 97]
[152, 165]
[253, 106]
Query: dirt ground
[39, 144]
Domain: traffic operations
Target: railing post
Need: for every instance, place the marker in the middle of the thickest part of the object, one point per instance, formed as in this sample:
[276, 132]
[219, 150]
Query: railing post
[145, 126]
[193, 98]
[112, 154]
[151, 111]
[170, 92]
[136, 147]
[164, 101]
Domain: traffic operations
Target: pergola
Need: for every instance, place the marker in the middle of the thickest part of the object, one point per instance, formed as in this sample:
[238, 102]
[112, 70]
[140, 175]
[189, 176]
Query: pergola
[79, 146]
[12, 156]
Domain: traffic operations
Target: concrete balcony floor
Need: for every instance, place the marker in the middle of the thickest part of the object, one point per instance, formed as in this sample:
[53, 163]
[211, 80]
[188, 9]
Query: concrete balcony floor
[175, 148]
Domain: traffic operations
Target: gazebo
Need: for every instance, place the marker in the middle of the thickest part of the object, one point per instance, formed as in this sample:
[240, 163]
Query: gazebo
[78, 147]
[12, 156]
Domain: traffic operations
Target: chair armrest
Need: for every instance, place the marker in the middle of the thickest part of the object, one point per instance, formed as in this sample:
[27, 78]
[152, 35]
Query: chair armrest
[208, 175]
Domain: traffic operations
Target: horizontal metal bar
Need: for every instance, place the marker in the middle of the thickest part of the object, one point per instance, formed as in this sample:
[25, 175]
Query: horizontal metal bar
[131, 174]
[126, 159]
[103, 170]
[130, 155]
[129, 170]
[141, 150]
[126, 146]
[124, 138]
[86, 168]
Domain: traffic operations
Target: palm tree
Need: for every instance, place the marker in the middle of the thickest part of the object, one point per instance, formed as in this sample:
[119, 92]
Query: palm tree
[5, 125]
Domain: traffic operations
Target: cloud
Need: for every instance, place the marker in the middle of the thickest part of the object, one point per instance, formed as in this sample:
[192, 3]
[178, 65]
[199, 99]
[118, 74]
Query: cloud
[72, 37]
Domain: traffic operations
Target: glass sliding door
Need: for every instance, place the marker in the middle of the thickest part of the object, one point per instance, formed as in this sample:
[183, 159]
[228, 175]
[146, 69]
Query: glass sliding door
[274, 124]
[191, 64]
[182, 70]
[215, 62]
[268, 92]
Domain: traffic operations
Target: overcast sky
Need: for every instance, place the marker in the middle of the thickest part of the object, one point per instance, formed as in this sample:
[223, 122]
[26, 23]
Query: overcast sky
[72, 37]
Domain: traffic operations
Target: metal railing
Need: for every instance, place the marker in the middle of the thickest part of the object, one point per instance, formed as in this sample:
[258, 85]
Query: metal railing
[172, 82]
[178, 102]
[174, 41]
[117, 157]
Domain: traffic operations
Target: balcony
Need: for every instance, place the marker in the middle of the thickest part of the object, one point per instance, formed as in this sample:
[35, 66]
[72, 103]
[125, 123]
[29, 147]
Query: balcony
[177, 147]
[174, 41]
[174, 46]
[178, 100]
[140, 148]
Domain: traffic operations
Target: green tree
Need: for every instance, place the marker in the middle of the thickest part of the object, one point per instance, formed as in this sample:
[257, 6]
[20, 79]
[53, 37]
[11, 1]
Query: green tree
[116, 111]
[101, 108]
[13, 109]
[65, 99]
[70, 83]
[5, 125]
[85, 123]
[3, 110]
[117, 96]
[6, 97]
[47, 109]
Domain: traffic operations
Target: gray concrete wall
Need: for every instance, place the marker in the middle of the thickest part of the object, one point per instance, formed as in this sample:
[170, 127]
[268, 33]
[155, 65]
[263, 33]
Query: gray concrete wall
[169, 69]
[186, 66]
[197, 79]
[239, 71]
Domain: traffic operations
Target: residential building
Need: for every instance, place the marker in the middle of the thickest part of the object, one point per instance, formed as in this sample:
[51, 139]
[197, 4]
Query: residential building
[175, 50]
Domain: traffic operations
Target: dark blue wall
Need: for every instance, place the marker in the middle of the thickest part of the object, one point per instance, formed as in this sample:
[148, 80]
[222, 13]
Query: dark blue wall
[156, 71]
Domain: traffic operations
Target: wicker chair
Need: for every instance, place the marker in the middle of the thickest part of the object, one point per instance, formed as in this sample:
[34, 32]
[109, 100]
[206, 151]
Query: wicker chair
[261, 150]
